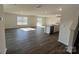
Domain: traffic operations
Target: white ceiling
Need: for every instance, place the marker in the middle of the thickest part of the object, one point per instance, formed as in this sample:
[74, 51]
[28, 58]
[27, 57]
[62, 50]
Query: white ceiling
[34, 9]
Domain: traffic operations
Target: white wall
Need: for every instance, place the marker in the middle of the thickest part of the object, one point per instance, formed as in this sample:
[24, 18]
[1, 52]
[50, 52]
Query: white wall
[2, 33]
[52, 20]
[44, 21]
[32, 21]
[11, 21]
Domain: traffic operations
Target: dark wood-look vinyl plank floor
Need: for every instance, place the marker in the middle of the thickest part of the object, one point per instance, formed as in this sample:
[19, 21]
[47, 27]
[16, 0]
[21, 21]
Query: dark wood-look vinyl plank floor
[22, 41]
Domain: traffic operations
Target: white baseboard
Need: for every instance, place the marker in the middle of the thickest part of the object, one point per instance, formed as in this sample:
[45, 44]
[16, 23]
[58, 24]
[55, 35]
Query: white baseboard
[4, 52]
[69, 49]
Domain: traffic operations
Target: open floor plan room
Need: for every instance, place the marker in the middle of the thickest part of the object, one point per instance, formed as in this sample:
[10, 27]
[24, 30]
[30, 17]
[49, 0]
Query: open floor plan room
[32, 42]
[39, 29]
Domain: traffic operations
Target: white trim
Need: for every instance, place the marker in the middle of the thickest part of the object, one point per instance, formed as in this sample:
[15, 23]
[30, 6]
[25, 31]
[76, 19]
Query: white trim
[4, 52]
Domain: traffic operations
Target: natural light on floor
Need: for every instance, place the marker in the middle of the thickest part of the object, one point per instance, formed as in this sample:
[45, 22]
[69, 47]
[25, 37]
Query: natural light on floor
[27, 29]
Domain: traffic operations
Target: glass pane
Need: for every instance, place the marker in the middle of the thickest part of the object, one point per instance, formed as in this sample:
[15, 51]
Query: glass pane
[21, 20]
[25, 20]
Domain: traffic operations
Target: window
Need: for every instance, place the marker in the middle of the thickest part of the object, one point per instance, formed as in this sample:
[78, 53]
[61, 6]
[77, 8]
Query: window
[39, 21]
[22, 20]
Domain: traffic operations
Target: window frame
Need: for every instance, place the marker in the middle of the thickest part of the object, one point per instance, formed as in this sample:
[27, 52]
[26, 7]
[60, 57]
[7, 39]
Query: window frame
[22, 18]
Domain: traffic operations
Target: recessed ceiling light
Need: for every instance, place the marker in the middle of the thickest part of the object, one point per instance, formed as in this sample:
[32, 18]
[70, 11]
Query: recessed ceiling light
[60, 9]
